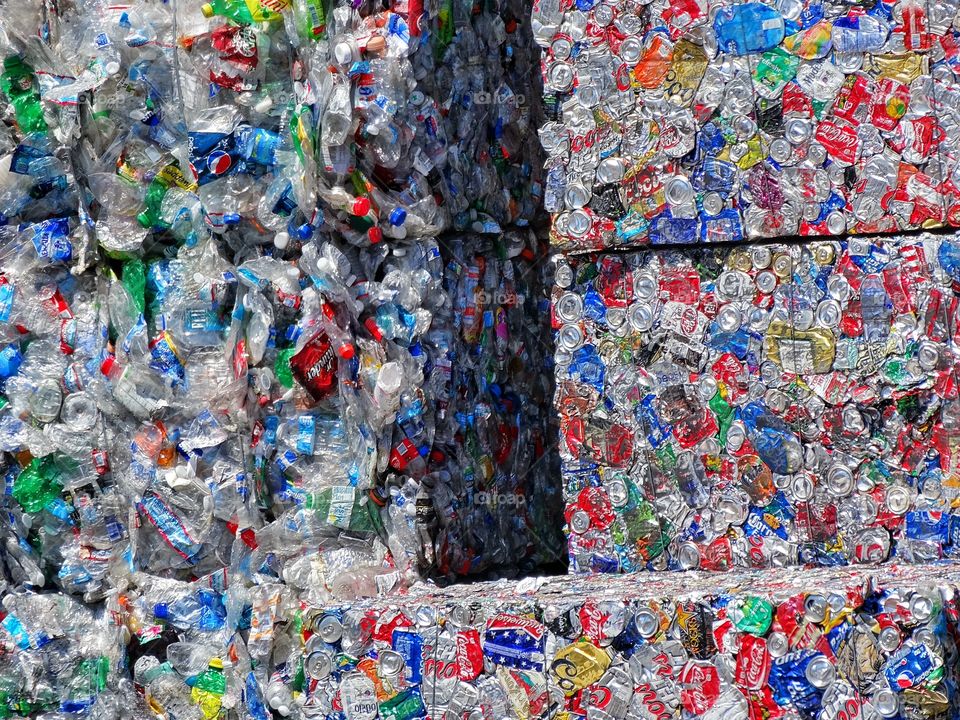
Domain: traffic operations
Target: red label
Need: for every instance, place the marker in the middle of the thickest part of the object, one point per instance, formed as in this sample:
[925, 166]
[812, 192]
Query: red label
[753, 662]
[701, 686]
[889, 104]
[840, 141]
[315, 367]
[594, 502]
[469, 655]
[680, 285]
[694, 428]
[592, 620]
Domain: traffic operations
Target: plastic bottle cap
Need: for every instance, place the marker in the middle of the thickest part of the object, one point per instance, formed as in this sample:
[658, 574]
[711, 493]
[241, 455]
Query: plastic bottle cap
[207, 10]
[161, 611]
[346, 351]
[398, 216]
[281, 240]
[375, 235]
[108, 365]
[361, 206]
[343, 53]
[113, 67]
[305, 231]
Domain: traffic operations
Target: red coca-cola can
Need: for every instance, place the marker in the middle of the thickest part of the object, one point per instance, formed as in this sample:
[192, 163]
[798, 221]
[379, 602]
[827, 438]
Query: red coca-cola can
[469, 655]
[753, 662]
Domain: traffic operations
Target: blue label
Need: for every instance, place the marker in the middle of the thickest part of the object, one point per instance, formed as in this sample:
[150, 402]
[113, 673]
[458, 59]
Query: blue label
[50, 239]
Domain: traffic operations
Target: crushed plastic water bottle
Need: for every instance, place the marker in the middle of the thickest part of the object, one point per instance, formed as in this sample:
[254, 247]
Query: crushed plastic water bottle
[707, 122]
[497, 500]
[234, 337]
[761, 406]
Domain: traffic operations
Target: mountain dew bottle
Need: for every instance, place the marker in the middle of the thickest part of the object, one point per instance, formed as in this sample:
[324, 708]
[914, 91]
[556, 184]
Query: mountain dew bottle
[209, 687]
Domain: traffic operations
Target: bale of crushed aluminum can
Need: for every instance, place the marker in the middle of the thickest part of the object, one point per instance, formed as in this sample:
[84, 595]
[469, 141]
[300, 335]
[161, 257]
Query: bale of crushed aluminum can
[759, 406]
[712, 121]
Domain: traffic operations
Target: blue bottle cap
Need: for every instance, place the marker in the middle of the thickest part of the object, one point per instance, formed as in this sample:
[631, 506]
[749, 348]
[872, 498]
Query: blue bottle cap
[398, 216]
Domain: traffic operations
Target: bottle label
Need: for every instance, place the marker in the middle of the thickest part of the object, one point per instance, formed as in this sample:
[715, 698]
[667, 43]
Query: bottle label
[314, 367]
[341, 506]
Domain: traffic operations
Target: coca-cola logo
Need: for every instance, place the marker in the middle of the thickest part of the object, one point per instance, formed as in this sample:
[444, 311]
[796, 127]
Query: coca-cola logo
[701, 686]
[592, 620]
[753, 662]
[832, 132]
[469, 662]
[688, 321]
[579, 143]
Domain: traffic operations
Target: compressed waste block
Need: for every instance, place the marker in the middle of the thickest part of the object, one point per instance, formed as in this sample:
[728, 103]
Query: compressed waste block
[712, 121]
[280, 119]
[499, 506]
[208, 362]
[802, 644]
[344, 417]
[759, 406]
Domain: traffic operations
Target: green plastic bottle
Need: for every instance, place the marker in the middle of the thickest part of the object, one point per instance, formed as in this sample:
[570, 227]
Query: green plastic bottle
[311, 19]
[347, 508]
[242, 12]
[168, 177]
[209, 687]
[281, 368]
[150, 217]
[37, 485]
[135, 281]
[20, 86]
